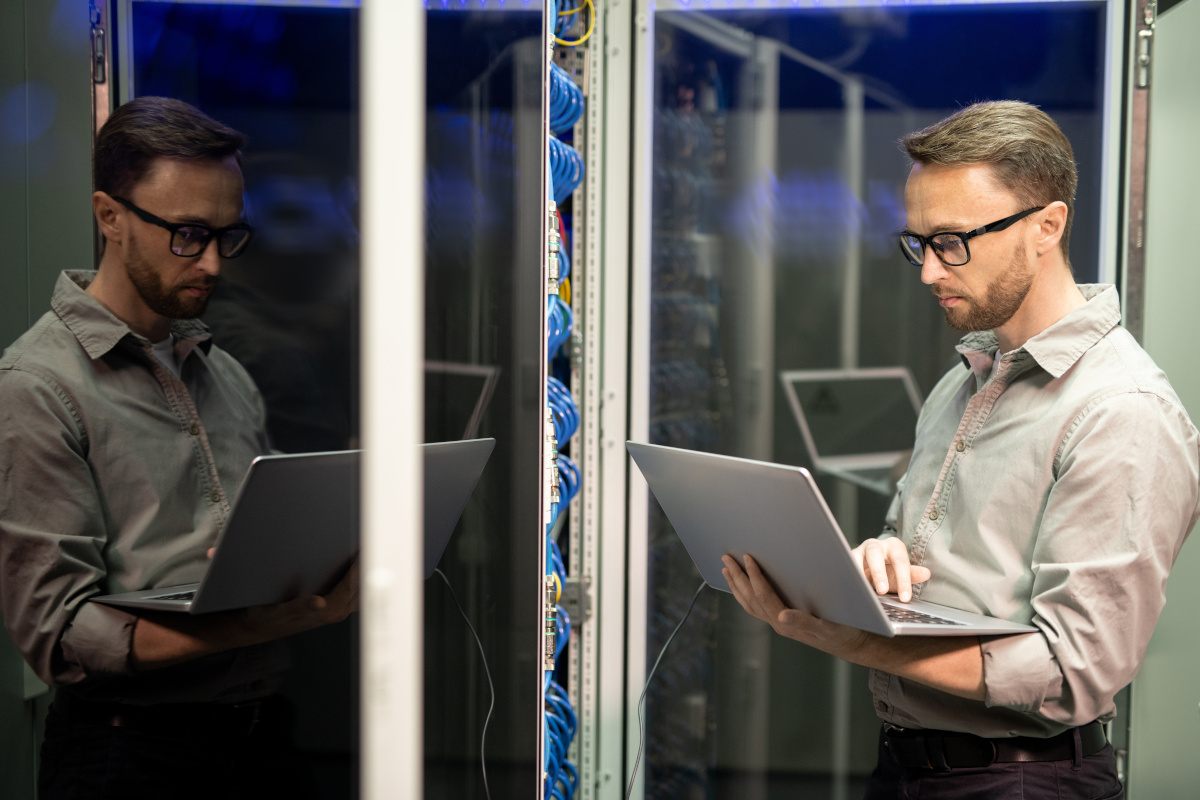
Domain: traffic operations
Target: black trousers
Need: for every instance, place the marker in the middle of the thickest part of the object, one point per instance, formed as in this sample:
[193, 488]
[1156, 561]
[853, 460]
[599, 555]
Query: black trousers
[84, 758]
[1095, 779]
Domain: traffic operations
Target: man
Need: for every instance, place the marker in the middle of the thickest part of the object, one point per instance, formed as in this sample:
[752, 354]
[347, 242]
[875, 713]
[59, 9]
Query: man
[1054, 479]
[123, 432]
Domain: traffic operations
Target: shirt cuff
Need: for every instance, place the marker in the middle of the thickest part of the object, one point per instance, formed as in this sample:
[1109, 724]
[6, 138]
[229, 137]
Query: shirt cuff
[1019, 671]
[100, 639]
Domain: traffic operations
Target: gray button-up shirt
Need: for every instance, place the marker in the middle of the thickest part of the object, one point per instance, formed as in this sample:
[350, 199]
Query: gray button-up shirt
[1057, 493]
[115, 476]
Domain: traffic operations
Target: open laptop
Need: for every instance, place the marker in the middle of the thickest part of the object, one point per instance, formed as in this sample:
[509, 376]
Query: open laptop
[856, 423]
[722, 505]
[294, 528]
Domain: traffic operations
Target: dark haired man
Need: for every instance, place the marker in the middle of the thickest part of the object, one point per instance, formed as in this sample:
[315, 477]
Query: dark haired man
[1054, 479]
[122, 433]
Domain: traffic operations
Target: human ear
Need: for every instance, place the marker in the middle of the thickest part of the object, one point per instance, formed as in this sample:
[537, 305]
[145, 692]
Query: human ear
[108, 218]
[1051, 223]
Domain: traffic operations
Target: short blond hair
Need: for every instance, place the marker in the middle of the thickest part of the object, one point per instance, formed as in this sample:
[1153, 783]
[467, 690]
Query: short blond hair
[1028, 153]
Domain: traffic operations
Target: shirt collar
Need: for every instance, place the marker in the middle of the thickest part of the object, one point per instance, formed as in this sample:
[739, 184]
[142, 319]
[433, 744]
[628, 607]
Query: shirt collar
[1057, 348]
[98, 329]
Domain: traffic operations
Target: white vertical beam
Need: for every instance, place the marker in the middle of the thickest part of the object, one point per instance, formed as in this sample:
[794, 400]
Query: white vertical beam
[393, 337]
[641, 194]
[611, 602]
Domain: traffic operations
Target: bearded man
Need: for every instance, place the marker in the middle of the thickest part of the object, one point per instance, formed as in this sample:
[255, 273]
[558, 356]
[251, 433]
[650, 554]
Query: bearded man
[123, 431]
[1054, 479]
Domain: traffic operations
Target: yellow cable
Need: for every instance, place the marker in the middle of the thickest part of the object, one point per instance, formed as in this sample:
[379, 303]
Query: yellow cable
[572, 11]
[558, 586]
[586, 36]
[564, 290]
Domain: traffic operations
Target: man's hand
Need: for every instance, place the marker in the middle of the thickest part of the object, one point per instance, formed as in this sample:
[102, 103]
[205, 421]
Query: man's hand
[886, 565]
[267, 623]
[758, 597]
[162, 639]
[951, 664]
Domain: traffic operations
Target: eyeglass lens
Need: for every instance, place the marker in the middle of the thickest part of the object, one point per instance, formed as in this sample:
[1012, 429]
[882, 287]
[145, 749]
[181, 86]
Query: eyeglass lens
[950, 248]
[191, 241]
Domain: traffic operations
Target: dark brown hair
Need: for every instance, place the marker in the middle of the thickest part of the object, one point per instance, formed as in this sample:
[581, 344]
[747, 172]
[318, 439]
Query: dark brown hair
[147, 128]
[1029, 155]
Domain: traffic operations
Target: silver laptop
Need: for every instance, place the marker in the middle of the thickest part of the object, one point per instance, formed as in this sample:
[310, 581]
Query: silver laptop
[856, 423]
[294, 528]
[721, 505]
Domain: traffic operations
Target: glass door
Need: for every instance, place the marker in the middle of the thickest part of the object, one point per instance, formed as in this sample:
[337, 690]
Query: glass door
[769, 272]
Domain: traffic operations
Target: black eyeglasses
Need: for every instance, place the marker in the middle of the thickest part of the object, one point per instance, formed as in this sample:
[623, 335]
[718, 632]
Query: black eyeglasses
[189, 239]
[952, 248]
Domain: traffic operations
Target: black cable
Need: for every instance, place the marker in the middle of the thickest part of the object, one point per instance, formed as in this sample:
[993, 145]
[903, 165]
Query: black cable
[642, 699]
[491, 689]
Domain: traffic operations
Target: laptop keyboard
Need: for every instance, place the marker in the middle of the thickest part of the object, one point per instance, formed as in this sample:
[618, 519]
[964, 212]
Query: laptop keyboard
[908, 615]
[188, 595]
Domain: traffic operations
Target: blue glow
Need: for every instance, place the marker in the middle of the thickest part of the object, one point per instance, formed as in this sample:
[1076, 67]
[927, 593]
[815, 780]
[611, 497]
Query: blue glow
[27, 111]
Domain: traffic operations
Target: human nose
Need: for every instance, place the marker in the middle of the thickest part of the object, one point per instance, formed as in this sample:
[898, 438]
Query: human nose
[209, 260]
[932, 268]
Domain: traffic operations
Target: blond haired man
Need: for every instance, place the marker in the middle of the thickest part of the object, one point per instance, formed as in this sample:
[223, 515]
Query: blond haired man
[1054, 479]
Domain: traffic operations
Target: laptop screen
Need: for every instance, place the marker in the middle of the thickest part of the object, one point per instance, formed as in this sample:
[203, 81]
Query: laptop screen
[856, 416]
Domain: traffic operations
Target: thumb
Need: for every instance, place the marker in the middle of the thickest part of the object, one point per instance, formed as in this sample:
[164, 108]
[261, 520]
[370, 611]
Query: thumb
[919, 574]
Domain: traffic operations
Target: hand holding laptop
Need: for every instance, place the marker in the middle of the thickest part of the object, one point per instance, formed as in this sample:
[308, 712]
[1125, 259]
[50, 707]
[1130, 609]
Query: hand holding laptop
[885, 563]
[307, 612]
[758, 598]
[161, 639]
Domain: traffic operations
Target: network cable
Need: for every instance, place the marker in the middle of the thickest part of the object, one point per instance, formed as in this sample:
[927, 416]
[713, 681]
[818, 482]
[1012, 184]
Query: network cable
[566, 171]
[491, 688]
[646, 688]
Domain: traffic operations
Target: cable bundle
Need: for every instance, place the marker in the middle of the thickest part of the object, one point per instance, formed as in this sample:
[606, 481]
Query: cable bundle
[566, 169]
[569, 474]
[564, 20]
[564, 409]
[559, 322]
[566, 100]
[560, 721]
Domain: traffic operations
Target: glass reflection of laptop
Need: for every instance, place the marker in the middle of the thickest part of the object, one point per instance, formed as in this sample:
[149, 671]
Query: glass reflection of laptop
[722, 505]
[294, 528]
[857, 424]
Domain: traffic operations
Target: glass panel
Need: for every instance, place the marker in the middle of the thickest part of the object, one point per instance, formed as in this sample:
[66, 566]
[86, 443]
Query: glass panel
[484, 321]
[778, 190]
[288, 310]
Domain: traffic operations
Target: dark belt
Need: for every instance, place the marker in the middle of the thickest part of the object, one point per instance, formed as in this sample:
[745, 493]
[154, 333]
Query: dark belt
[943, 750]
[184, 719]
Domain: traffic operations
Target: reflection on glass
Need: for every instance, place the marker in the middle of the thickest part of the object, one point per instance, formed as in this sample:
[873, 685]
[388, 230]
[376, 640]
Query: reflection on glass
[484, 320]
[778, 191]
[287, 308]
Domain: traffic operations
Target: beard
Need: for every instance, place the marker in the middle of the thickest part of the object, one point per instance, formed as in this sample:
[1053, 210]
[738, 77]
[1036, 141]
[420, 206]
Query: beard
[166, 301]
[1000, 301]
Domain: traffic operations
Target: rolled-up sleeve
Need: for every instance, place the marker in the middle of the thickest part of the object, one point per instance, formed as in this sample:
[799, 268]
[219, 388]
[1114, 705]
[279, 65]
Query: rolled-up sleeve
[1123, 502]
[52, 538]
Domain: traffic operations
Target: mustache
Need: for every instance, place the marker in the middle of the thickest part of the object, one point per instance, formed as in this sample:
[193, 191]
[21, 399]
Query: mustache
[939, 292]
[207, 282]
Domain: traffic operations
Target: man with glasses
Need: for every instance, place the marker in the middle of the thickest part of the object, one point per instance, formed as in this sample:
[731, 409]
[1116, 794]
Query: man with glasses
[1054, 479]
[123, 434]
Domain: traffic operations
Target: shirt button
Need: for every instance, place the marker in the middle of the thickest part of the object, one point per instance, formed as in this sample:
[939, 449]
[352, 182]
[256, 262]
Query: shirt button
[216, 496]
[960, 445]
[194, 430]
[933, 514]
